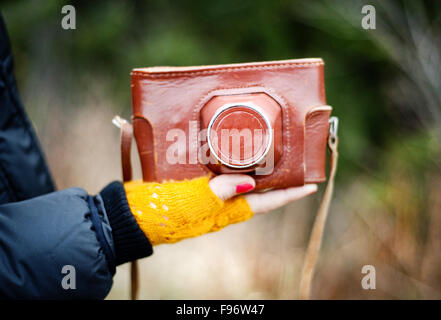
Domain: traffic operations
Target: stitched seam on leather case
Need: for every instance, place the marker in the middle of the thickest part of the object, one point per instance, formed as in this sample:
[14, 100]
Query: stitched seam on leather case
[227, 69]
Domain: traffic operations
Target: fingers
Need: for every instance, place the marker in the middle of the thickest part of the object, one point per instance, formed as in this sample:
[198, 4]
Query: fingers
[226, 186]
[263, 202]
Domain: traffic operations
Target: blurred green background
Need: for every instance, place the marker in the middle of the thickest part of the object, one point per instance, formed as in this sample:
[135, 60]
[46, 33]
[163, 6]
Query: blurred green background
[384, 85]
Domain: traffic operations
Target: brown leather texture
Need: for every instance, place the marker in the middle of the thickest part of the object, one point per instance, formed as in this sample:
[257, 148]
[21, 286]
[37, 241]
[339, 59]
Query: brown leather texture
[126, 146]
[170, 98]
[271, 108]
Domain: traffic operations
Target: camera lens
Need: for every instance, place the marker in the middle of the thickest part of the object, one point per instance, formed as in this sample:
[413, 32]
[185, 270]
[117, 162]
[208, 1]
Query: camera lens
[239, 135]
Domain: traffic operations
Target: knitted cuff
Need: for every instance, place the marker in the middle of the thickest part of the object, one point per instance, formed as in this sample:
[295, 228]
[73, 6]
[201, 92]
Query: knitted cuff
[130, 243]
[234, 210]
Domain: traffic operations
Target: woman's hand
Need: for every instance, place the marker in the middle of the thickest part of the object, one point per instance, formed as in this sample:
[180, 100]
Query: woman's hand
[171, 211]
[228, 185]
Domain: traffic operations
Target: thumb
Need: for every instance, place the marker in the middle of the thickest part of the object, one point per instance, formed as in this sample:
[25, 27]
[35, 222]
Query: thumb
[226, 186]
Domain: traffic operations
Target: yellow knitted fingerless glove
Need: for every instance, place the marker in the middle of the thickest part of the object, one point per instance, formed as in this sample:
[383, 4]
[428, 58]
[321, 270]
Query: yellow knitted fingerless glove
[172, 211]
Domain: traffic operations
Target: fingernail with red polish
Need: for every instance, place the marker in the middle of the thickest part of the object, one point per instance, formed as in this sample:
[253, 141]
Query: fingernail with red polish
[244, 187]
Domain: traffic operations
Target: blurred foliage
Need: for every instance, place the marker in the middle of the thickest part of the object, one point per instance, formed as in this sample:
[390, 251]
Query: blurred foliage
[112, 37]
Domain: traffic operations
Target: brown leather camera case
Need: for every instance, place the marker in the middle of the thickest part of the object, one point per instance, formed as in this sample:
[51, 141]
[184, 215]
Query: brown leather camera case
[167, 98]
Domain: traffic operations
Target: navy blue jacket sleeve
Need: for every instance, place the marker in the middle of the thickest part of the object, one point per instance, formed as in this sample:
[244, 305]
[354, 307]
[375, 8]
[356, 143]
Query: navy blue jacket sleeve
[93, 234]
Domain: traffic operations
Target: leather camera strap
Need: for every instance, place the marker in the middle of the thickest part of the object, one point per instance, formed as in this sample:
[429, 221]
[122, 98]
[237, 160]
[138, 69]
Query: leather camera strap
[316, 236]
[318, 228]
[126, 146]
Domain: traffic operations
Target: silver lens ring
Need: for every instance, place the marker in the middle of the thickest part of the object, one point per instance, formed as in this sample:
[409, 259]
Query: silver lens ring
[248, 105]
